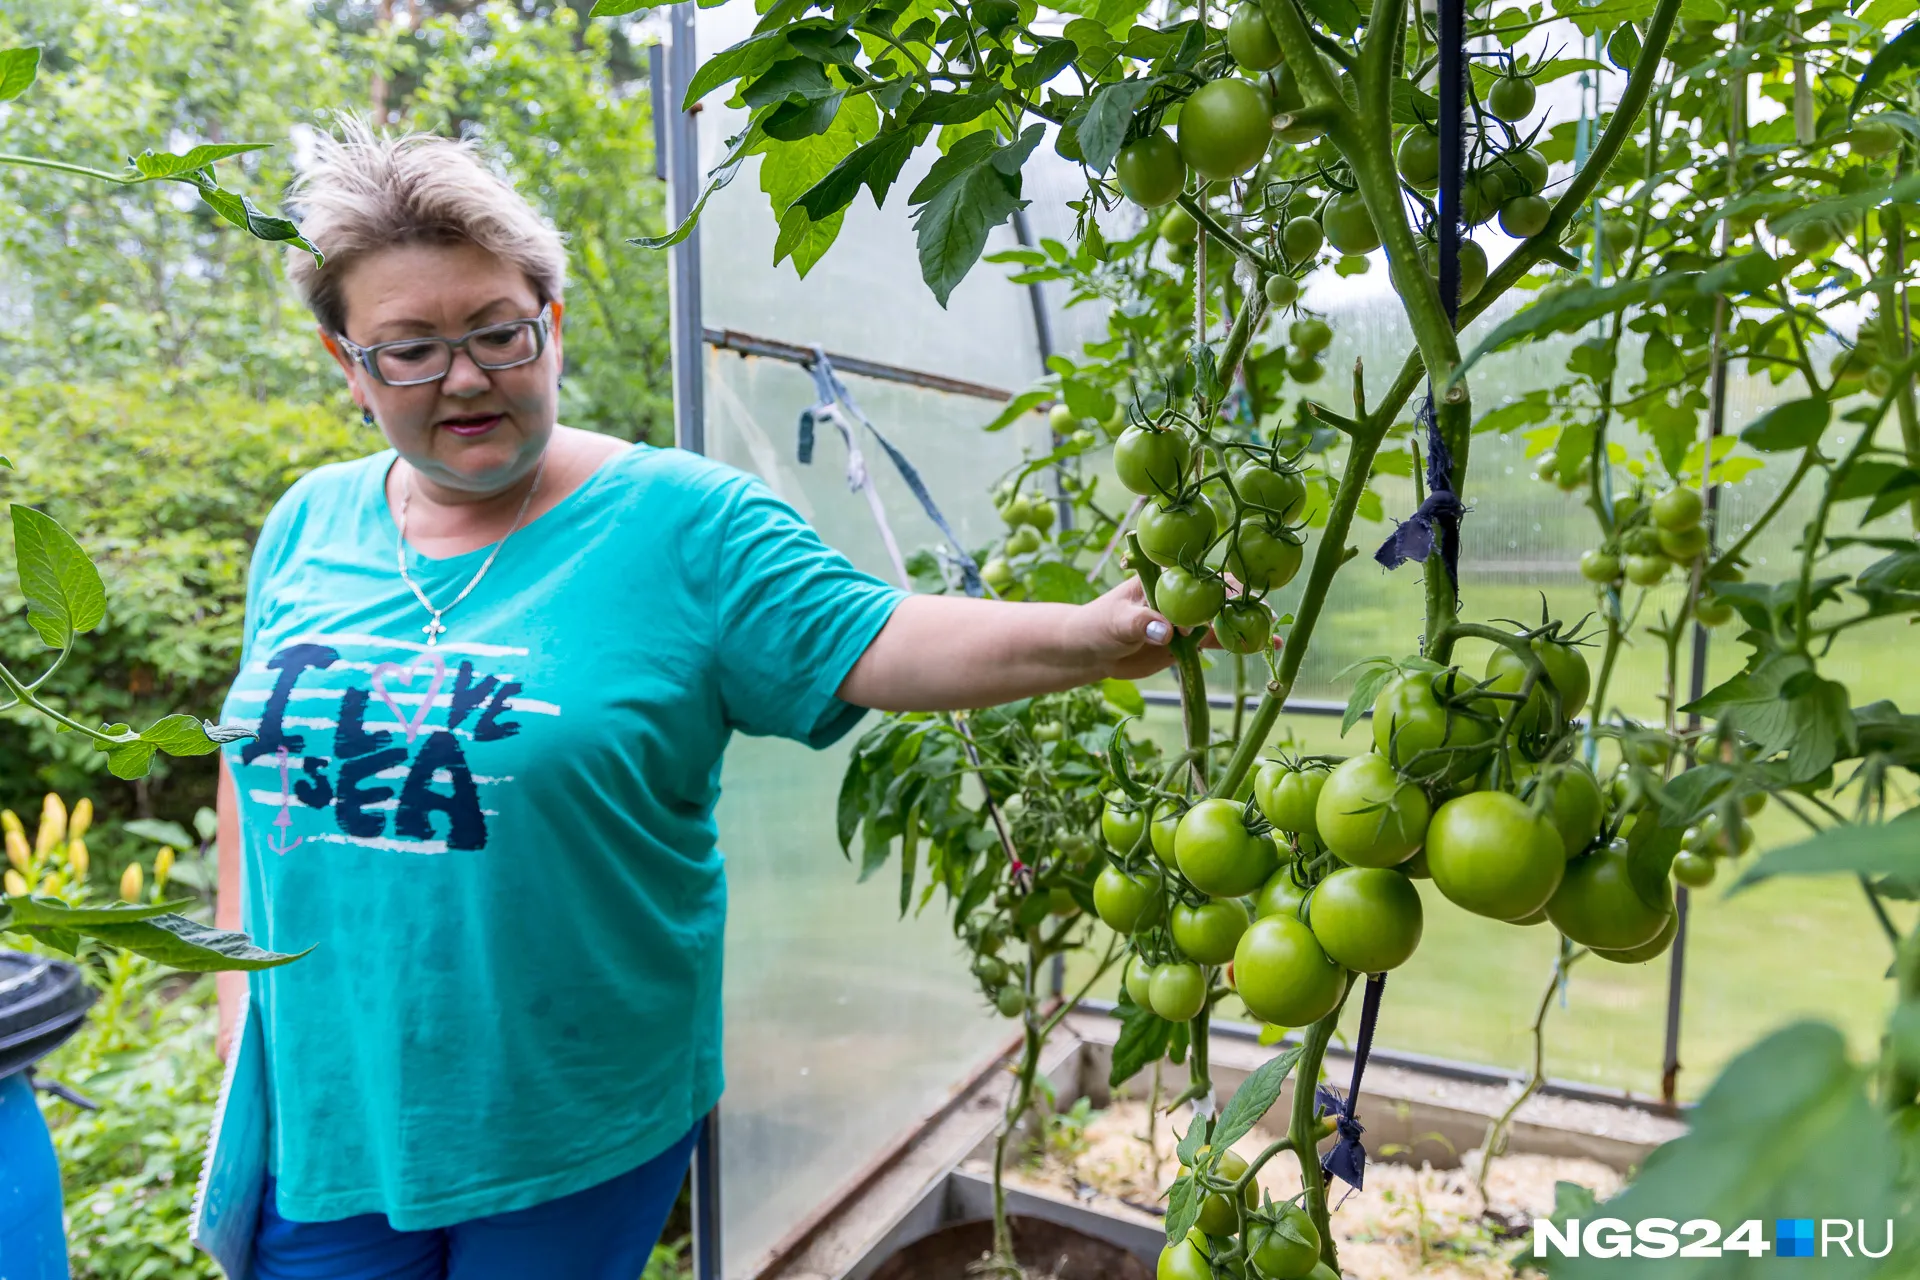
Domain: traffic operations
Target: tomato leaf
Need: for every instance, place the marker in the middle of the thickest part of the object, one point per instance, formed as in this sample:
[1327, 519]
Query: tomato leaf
[1793, 425]
[1341, 16]
[848, 811]
[1183, 1207]
[1124, 694]
[18, 67]
[153, 165]
[1846, 207]
[153, 931]
[743, 145]
[1885, 848]
[749, 57]
[53, 913]
[64, 593]
[1897, 54]
[1373, 675]
[1253, 1099]
[1104, 126]
[1783, 705]
[975, 196]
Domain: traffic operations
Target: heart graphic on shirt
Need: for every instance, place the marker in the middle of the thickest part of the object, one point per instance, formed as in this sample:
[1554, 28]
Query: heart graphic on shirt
[405, 674]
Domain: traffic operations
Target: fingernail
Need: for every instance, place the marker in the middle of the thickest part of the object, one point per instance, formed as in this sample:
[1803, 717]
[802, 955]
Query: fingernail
[1159, 632]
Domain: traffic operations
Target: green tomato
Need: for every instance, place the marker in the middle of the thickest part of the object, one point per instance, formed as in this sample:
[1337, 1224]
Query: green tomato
[1409, 718]
[1599, 566]
[1683, 545]
[1873, 137]
[1694, 870]
[1565, 668]
[997, 574]
[1280, 896]
[1139, 981]
[1578, 809]
[1491, 855]
[1150, 170]
[1309, 336]
[1244, 626]
[990, 970]
[1251, 41]
[1183, 1260]
[1810, 237]
[1368, 816]
[1209, 932]
[1152, 462]
[1189, 599]
[1305, 370]
[1177, 534]
[1224, 129]
[1418, 158]
[1023, 541]
[1217, 1217]
[1279, 495]
[1678, 508]
[1647, 571]
[1011, 1001]
[1262, 559]
[1217, 853]
[1473, 266]
[1348, 225]
[1283, 975]
[1524, 171]
[1647, 950]
[1525, 216]
[1178, 991]
[1126, 903]
[1061, 419]
[1596, 904]
[1287, 797]
[1178, 227]
[1301, 238]
[1281, 290]
[1511, 98]
[1366, 918]
[1481, 197]
[1287, 1250]
[1166, 821]
[1121, 827]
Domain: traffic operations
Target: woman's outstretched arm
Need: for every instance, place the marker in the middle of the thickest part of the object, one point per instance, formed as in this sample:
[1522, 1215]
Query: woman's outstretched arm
[950, 653]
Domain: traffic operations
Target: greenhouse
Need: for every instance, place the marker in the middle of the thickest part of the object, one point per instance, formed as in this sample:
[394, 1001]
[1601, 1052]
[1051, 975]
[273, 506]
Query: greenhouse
[958, 640]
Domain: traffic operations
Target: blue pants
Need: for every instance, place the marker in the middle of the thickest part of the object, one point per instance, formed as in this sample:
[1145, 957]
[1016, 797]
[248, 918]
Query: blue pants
[606, 1232]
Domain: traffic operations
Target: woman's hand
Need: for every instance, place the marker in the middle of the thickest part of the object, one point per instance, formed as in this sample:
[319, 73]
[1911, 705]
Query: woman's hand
[946, 653]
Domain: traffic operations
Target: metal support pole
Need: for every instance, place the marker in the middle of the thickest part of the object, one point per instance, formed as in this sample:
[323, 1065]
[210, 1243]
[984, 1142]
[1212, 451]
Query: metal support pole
[1697, 677]
[683, 190]
[1452, 39]
[676, 136]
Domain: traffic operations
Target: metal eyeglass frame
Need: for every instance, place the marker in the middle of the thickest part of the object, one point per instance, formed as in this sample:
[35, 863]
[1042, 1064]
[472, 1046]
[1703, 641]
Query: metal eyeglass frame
[367, 356]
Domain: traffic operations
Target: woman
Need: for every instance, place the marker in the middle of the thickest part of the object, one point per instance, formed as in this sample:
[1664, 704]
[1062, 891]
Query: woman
[492, 670]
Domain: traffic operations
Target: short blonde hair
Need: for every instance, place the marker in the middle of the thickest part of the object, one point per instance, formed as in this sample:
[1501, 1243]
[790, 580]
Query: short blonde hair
[364, 191]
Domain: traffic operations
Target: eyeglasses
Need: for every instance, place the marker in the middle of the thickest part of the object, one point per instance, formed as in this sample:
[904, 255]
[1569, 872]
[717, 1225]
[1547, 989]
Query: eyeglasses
[413, 362]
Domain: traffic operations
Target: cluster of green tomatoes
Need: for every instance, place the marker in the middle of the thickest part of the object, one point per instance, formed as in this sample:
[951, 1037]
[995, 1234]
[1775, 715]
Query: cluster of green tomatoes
[1472, 783]
[1224, 129]
[1202, 519]
[1029, 518]
[1650, 540]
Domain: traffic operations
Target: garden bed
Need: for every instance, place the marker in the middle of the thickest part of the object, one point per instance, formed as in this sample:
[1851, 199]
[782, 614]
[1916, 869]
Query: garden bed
[1419, 1214]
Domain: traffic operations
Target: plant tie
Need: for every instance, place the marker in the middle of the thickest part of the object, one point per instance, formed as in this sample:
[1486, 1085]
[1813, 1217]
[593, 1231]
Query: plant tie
[833, 396]
[1348, 1159]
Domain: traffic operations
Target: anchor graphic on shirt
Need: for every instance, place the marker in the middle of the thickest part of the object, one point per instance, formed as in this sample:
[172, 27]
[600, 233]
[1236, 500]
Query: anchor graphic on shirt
[284, 818]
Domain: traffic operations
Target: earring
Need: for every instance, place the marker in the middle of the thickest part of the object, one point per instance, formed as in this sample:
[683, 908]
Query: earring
[366, 416]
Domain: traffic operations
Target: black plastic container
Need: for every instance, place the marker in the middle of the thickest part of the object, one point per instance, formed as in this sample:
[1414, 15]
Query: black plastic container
[42, 1002]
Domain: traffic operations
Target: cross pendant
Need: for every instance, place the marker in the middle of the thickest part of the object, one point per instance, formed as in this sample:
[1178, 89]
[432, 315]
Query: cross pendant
[433, 630]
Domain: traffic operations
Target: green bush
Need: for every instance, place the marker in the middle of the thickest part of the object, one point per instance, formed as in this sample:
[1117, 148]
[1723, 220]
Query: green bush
[167, 487]
[129, 1169]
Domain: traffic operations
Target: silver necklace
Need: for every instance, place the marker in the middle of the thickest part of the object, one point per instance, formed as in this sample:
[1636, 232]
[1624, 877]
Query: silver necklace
[435, 627]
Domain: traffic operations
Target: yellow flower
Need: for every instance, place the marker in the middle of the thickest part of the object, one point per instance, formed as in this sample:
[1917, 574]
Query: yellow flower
[53, 824]
[10, 822]
[82, 818]
[162, 867]
[16, 884]
[130, 882]
[17, 852]
[78, 858]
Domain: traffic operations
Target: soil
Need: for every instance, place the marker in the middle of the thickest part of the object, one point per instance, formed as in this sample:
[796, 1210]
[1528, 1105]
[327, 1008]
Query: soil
[1408, 1221]
[1046, 1250]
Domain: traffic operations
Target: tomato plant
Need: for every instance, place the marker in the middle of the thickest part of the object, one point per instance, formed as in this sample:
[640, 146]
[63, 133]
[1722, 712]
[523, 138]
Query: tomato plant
[1709, 241]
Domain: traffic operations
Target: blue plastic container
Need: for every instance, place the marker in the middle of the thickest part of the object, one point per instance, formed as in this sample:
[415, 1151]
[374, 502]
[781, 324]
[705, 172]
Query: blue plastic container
[33, 1241]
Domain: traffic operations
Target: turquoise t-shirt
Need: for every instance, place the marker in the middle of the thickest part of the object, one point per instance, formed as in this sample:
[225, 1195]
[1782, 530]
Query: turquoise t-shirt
[502, 850]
